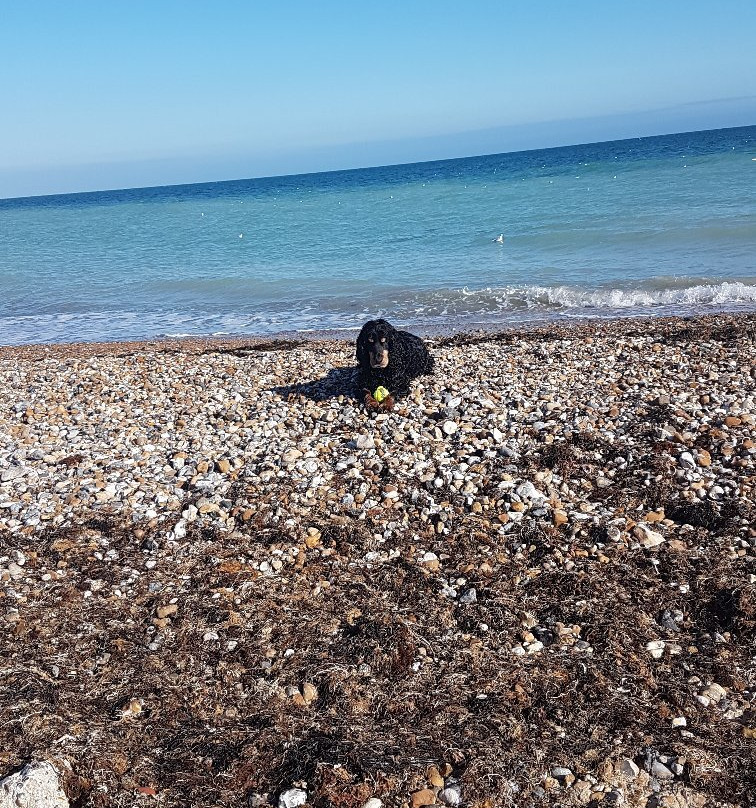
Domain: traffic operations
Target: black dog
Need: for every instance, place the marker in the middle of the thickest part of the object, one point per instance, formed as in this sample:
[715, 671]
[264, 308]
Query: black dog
[390, 358]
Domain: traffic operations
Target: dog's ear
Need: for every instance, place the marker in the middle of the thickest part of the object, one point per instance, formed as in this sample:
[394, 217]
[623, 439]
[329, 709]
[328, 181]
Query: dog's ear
[362, 348]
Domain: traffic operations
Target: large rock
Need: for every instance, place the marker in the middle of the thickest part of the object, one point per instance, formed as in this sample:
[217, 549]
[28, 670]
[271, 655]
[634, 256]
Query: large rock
[37, 785]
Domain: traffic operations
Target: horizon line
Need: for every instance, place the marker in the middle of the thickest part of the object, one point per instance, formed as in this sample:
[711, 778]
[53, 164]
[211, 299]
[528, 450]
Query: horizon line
[360, 167]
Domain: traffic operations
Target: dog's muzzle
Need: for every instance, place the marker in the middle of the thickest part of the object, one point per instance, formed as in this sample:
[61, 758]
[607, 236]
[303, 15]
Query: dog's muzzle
[379, 360]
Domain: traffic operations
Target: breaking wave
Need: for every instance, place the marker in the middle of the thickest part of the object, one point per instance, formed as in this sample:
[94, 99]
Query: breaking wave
[572, 300]
[614, 298]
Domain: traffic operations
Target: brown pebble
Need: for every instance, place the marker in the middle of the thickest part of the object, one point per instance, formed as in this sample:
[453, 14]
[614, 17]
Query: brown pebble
[560, 518]
[423, 797]
[309, 692]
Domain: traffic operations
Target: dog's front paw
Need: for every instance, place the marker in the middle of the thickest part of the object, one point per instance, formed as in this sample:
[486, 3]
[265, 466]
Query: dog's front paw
[385, 403]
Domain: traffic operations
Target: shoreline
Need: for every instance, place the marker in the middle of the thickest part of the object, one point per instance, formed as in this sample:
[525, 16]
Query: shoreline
[288, 339]
[222, 580]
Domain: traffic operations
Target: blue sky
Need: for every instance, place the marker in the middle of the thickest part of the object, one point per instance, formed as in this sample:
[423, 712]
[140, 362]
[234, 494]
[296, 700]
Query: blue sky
[123, 94]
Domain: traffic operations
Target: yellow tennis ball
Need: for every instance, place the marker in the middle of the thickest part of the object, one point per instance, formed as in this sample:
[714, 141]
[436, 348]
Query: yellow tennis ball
[380, 394]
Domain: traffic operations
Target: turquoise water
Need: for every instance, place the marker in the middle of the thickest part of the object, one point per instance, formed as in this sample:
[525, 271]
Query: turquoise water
[658, 225]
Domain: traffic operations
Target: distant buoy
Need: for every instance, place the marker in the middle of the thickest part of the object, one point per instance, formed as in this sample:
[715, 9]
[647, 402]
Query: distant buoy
[241, 235]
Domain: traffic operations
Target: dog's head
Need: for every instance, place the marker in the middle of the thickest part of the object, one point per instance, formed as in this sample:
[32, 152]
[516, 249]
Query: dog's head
[375, 344]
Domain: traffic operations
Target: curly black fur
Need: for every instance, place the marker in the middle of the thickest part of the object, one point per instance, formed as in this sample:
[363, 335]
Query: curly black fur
[390, 358]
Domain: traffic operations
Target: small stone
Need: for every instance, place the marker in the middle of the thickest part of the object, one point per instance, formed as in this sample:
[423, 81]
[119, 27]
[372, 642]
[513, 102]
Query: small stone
[528, 491]
[560, 518]
[686, 460]
[12, 473]
[434, 777]
[166, 611]
[292, 798]
[131, 709]
[15, 571]
[680, 721]
[449, 428]
[471, 596]
[732, 420]
[628, 768]
[309, 693]
[714, 692]
[648, 538]
[704, 458]
[430, 560]
[661, 772]
[451, 795]
[290, 455]
[35, 786]
[656, 648]
[563, 775]
[373, 802]
[423, 797]
[223, 466]
[365, 442]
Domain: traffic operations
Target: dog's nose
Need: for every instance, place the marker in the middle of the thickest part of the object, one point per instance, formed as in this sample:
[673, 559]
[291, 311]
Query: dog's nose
[379, 359]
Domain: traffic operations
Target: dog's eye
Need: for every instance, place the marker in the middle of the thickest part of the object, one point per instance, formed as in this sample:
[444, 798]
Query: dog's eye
[370, 339]
[383, 339]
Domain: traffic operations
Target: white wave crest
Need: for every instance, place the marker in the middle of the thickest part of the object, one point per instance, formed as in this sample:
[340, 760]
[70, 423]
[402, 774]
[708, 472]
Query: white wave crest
[571, 297]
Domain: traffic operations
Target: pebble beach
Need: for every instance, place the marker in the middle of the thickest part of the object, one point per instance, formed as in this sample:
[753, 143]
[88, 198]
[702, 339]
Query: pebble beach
[225, 582]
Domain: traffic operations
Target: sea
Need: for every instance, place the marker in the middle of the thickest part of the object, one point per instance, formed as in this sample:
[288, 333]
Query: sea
[649, 226]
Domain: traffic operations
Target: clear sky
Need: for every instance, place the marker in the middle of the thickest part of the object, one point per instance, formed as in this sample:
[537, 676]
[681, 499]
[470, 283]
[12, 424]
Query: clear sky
[111, 93]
